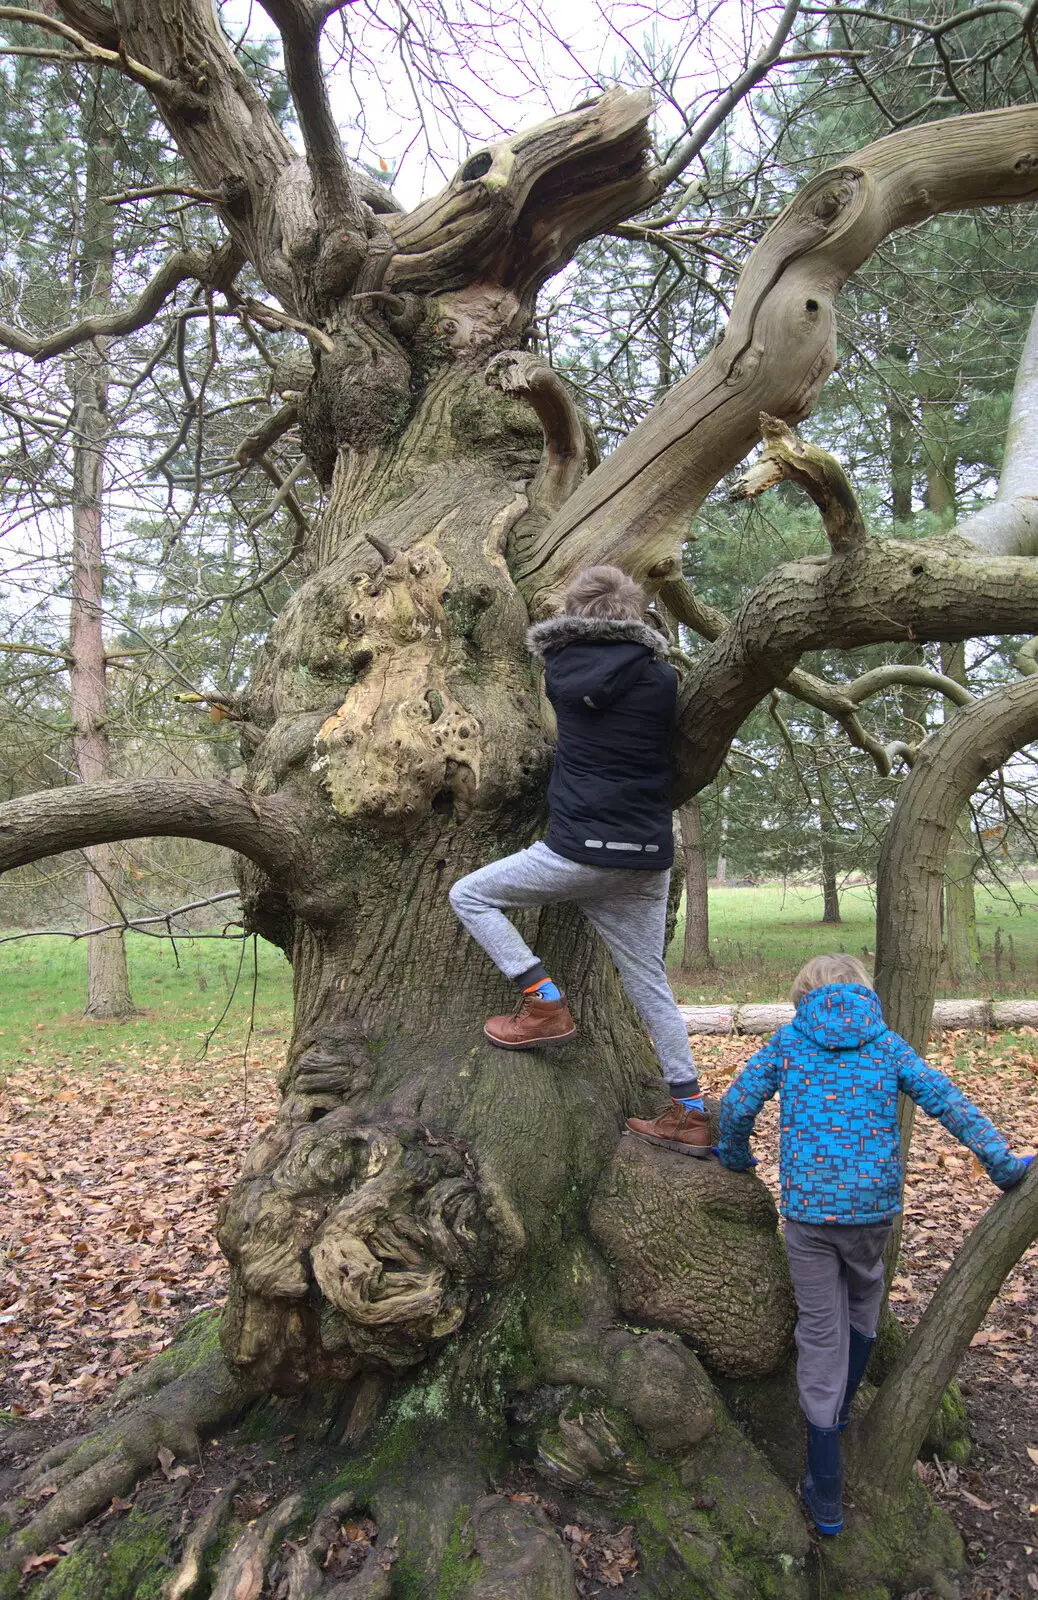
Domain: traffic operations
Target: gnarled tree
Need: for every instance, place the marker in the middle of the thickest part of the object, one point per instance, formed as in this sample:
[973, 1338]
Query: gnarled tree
[434, 1246]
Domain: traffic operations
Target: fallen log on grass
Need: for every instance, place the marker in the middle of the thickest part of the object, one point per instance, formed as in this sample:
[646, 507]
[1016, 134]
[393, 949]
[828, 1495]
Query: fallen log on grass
[982, 1016]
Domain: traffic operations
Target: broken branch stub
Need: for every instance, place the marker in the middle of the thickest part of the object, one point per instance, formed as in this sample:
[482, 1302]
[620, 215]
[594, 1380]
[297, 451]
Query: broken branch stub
[386, 551]
[787, 458]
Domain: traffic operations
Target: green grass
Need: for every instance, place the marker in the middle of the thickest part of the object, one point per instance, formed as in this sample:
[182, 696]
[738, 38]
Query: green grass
[760, 937]
[43, 993]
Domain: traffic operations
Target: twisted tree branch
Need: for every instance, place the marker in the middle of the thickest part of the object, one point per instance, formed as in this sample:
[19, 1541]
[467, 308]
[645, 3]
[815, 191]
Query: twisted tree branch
[780, 344]
[880, 592]
[839, 701]
[949, 767]
[216, 268]
[564, 461]
[269, 832]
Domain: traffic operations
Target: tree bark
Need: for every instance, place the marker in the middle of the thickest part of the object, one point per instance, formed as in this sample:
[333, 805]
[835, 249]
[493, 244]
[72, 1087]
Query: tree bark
[949, 766]
[108, 981]
[695, 955]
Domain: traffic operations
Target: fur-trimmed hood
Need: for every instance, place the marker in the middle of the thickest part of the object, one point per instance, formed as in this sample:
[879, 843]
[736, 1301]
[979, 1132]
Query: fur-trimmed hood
[559, 631]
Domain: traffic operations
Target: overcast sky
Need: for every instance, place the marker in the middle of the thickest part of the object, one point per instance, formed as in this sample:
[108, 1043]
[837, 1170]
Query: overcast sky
[418, 94]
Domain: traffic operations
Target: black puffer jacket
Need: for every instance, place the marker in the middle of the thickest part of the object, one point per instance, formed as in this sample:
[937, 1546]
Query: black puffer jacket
[614, 696]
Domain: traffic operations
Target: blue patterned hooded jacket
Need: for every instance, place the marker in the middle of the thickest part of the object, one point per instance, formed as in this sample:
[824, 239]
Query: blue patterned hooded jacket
[837, 1069]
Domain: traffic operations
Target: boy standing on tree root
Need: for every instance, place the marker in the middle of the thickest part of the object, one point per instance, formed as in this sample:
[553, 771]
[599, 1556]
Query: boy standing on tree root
[837, 1070]
[610, 843]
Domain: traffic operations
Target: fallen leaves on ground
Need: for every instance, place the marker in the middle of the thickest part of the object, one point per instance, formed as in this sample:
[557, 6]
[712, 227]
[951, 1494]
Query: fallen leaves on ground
[110, 1185]
[608, 1558]
[109, 1188]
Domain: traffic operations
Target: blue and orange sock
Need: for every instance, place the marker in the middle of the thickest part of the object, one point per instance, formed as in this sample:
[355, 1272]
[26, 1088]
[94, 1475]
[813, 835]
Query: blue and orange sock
[544, 989]
[688, 1096]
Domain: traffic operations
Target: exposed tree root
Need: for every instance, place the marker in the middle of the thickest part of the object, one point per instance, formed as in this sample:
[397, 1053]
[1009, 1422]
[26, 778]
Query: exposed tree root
[892, 1547]
[522, 1556]
[305, 1577]
[199, 1540]
[696, 1249]
[241, 1573]
[82, 1477]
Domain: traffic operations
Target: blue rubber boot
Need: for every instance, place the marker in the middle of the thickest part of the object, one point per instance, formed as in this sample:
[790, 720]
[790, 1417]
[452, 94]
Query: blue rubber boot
[822, 1488]
[857, 1361]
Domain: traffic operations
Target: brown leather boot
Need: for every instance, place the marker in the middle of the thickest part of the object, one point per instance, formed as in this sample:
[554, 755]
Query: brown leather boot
[677, 1129]
[533, 1025]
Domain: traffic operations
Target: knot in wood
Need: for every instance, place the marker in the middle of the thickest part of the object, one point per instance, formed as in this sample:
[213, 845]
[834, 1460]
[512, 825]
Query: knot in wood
[832, 201]
[383, 1232]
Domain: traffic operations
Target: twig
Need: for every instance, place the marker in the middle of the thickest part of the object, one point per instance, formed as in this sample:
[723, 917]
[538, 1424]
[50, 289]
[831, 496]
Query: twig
[125, 925]
[215, 266]
[109, 58]
[154, 190]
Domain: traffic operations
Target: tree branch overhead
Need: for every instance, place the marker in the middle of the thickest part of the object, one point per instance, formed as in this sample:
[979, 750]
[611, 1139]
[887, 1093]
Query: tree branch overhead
[780, 344]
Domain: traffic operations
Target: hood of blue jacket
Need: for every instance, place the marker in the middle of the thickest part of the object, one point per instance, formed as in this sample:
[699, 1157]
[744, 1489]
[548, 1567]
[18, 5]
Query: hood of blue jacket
[840, 1016]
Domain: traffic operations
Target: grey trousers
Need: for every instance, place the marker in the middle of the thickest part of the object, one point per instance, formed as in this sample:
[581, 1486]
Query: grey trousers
[628, 910]
[838, 1282]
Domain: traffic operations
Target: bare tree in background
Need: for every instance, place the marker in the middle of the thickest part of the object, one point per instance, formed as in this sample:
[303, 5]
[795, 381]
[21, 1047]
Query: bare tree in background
[108, 983]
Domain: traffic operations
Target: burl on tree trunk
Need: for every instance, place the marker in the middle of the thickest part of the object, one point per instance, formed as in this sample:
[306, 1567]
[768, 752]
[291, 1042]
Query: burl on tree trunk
[441, 1256]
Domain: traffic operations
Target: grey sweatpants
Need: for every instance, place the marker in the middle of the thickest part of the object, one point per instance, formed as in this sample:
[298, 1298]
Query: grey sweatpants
[837, 1276]
[626, 907]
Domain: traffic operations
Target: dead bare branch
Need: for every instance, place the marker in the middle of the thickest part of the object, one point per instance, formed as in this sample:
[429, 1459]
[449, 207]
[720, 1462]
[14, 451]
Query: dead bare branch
[56, 820]
[216, 267]
[96, 52]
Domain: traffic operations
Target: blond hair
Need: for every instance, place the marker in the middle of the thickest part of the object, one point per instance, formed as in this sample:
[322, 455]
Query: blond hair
[821, 970]
[605, 593]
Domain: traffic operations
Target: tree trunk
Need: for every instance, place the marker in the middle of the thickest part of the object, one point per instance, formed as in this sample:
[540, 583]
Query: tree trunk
[962, 949]
[830, 890]
[108, 983]
[695, 955]
[950, 765]
[899, 427]
[960, 913]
